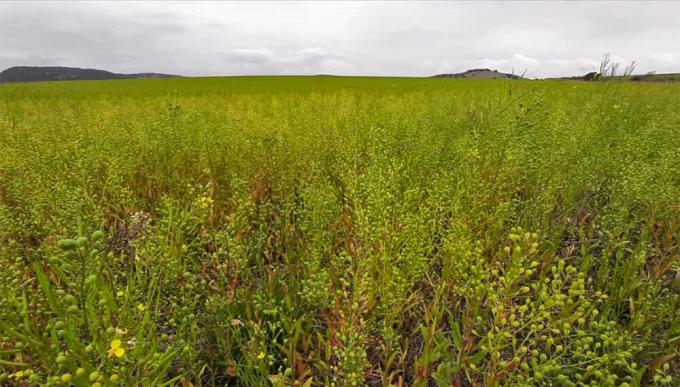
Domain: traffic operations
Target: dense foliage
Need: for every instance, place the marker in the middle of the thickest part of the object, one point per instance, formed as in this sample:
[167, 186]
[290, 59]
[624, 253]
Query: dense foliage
[339, 231]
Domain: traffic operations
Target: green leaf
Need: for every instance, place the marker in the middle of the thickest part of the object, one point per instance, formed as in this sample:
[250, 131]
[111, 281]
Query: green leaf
[47, 288]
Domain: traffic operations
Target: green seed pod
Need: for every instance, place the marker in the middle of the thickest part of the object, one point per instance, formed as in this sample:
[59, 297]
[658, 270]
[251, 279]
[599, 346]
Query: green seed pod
[91, 279]
[81, 241]
[67, 244]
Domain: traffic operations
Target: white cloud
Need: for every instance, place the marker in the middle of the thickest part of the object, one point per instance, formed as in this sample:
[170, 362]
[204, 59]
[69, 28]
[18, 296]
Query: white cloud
[664, 62]
[252, 55]
[518, 64]
[576, 66]
[372, 38]
[308, 60]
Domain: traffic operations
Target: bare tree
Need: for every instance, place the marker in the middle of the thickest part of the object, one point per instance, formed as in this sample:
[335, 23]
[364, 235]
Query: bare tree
[609, 68]
[514, 76]
[613, 69]
[605, 64]
[629, 69]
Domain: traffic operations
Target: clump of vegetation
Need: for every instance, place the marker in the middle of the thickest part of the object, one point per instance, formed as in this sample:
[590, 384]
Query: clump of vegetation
[339, 231]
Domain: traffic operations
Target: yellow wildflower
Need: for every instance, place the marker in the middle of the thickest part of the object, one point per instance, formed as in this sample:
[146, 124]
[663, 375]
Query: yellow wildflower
[260, 355]
[141, 307]
[116, 350]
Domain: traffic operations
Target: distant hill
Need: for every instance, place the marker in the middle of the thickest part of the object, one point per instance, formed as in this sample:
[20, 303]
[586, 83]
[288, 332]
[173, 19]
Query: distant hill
[37, 74]
[479, 74]
[650, 77]
[670, 77]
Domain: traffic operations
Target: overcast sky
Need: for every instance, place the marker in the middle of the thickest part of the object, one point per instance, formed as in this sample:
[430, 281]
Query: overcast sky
[345, 38]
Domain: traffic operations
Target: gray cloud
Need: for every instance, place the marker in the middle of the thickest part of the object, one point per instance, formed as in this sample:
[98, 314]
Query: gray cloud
[309, 60]
[404, 38]
[74, 36]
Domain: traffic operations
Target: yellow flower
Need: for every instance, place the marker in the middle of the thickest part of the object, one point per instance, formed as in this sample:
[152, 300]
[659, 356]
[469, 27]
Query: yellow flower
[116, 349]
[260, 355]
[120, 294]
[141, 307]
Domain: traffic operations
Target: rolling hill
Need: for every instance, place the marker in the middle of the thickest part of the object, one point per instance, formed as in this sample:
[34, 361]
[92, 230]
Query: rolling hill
[479, 74]
[39, 73]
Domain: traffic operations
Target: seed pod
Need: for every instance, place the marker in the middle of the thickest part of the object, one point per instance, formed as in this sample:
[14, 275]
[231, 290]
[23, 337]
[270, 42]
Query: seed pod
[91, 279]
[67, 244]
[81, 241]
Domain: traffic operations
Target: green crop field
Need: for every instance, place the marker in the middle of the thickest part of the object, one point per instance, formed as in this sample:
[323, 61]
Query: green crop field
[339, 231]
